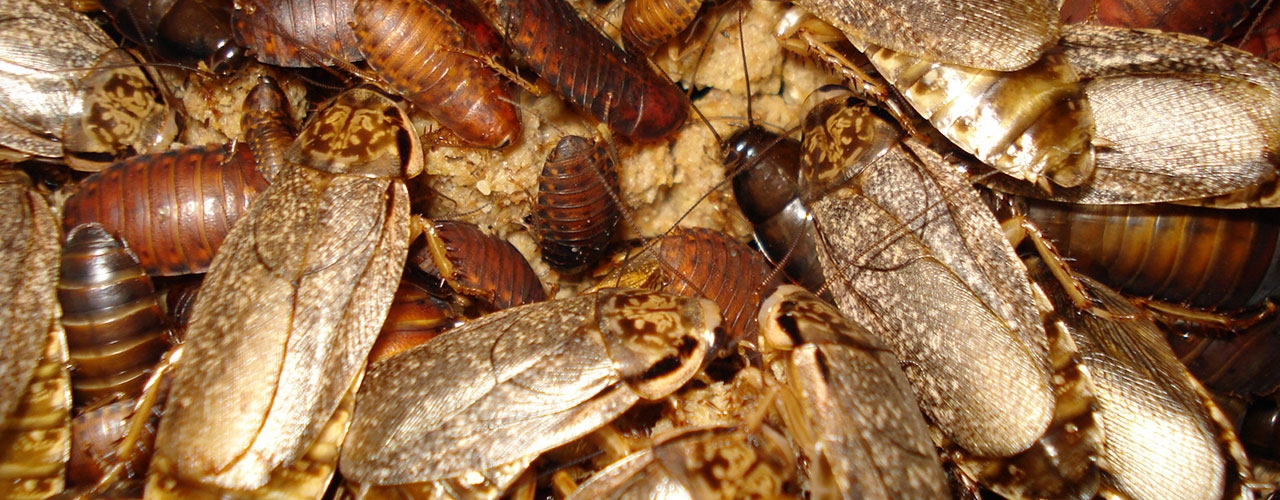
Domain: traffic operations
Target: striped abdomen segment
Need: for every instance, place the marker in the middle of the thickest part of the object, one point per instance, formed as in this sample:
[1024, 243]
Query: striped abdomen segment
[576, 210]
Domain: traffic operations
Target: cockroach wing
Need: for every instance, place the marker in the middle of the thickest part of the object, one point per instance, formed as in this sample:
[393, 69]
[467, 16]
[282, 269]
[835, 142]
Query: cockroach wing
[1151, 408]
[290, 309]
[985, 34]
[496, 391]
[29, 253]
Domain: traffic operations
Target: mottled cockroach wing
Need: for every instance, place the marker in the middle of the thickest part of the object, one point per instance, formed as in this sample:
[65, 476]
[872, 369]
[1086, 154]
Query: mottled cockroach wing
[911, 254]
[985, 34]
[1147, 401]
[292, 303]
[591, 71]
[35, 397]
[723, 462]
[502, 389]
[116, 330]
[847, 403]
[174, 208]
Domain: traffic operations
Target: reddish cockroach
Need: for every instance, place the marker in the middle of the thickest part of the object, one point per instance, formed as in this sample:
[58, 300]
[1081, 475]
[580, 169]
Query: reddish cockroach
[476, 265]
[576, 211]
[116, 329]
[416, 316]
[1212, 19]
[173, 209]
[296, 33]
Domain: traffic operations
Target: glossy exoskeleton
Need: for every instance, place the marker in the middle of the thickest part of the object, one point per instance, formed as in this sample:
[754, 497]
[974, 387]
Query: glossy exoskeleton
[477, 265]
[296, 33]
[576, 211]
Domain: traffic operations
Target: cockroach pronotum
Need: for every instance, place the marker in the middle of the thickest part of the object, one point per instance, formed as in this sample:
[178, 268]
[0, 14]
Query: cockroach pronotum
[476, 265]
[839, 377]
[490, 396]
[427, 57]
[296, 33]
[292, 304]
[173, 209]
[591, 71]
[116, 329]
[576, 211]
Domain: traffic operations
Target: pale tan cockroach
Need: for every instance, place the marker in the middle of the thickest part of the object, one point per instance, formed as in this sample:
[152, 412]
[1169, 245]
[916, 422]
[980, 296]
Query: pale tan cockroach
[1151, 409]
[292, 304]
[1177, 118]
[719, 462]
[490, 396]
[910, 253]
[116, 329]
[35, 388]
[847, 403]
[1010, 101]
[68, 91]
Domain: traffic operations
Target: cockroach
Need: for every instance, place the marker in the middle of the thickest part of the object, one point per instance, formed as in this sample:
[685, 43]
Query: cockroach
[68, 91]
[1263, 37]
[179, 298]
[1241, 363]
[426, 56]
[649, 23]
[178, 29]
[268, 126]
[490, 396]
[477, 265]
[296, 33]
[1260, 429]
[174, 208]
[720, 462]
[984, 34]
[909, 252]
[35, 388]
[847, 403]
[576, 211]
[1147, 401]
[1214, 19]
[591, 71]
[416, 316]
[96, 434]
[292, 303]
[116, 329]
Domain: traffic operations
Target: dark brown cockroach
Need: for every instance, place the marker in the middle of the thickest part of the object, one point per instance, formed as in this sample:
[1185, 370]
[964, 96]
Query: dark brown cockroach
[116, 329]
[476, 265]
[1241, 363]
[1147, 401]
[68, 91]
[591, 71]
[766, 168]
[1222, 97]
[296, 33]
[35, 388]
[416, 316]
[910, 253]
[291, 306]
[1212, 19]
[173, 209]
[1260, 428]
[649, 23]
[836, 377]
[268, 126]
[1263, 37]
[96, 436]
[178, 29]
[1214, 259]
[576, 211]
[720, 462]
[476, 405]
[426, 56]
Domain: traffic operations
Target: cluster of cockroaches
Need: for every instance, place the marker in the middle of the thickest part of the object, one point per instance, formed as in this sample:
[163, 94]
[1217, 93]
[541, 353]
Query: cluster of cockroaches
[342, 345]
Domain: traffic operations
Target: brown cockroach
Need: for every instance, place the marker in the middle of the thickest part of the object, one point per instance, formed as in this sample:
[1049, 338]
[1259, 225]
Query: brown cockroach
[838, 377]
[910, 253]
[1263, 37]
[649, 23]
[427, 57]
[1259, 428]
[1147, 401]
[576, 211]
[268, 126]
[591, 71]
[416, 316]
[476, 265]
[178, 29]
[1212, 19]
[1214, 259]
[1239, 363]
[96, 435]
[116, 329]
[69, 92]
[490, 396]
[296, 33]
[292, 304]
[173, 209]
[35, 388]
